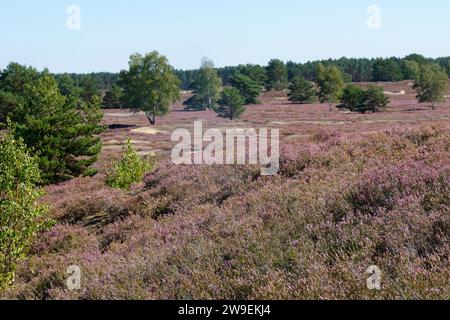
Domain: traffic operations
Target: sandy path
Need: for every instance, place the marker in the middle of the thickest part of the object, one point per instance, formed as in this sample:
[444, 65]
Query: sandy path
[401, 93]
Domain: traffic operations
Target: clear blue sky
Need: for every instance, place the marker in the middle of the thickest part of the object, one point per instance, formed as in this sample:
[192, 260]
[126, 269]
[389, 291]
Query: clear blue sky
[229, 32]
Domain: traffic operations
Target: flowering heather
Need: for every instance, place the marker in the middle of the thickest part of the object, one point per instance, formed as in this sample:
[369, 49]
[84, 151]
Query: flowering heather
[341, 203]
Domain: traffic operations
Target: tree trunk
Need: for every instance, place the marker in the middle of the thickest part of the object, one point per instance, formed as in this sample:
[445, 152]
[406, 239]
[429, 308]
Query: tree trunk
[151, 118]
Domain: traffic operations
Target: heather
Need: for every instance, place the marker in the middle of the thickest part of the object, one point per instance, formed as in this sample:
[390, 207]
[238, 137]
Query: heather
[341, 202]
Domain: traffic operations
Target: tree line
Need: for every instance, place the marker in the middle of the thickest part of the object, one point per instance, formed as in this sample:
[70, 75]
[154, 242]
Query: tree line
[58, 117]
[354, 69]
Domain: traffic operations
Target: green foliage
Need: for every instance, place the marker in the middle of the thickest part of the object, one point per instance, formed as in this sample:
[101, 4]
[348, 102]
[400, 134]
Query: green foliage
[387, 70]
[255, 72]
[12, 85]
[112, 99]
[130, 168]
[301, 90]
[67, 86]
[248, 88]
[231, 104]
[418, 58]
[277, 75]
[411, 69]
[21, 216]
[357, 99]
[375, 99]
[354, 69]
[352, 98]
[90, 88]
[207, 87]
[150, 85]
[8, 104]
[63, 133]
[15, 77]
[331, 84]
[431, 84]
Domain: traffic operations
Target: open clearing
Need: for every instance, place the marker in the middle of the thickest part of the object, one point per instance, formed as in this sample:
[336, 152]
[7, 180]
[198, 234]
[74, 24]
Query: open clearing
[274, 111]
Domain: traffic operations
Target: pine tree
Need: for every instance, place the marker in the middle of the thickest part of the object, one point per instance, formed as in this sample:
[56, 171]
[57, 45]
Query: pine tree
[301, 90]
[62, 133]
[255, 72]
[231, 104]
[353, 99]
[90, 88]
[375, 99]
[248, 88]
[277, 75]
[359, 100]
[112, 98]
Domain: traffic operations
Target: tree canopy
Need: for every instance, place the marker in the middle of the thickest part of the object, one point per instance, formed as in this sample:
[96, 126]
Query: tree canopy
[431, 84]
[277, 75]
[301, 90]
[231, 104]
[150, 85]
[248, 88]
[113, 98]
[331, 83]
[357, 99]
[62, 133]
[207, 86]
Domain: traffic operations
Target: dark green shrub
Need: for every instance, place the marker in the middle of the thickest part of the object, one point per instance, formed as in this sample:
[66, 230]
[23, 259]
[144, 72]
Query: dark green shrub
[231, 104]
[248, 88]
[301, 91]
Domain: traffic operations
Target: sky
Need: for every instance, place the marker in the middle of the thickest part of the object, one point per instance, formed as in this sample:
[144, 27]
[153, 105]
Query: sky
[45, 35]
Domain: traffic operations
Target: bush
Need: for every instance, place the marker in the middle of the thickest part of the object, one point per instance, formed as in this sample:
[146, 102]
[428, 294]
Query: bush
[356, 99]
[130, 169]
[21, 216]
[352, 98]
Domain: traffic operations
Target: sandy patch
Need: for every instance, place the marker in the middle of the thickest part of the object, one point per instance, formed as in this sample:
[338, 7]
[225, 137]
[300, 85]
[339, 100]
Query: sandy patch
[111, 142]
[140, 142]
[148, 130]
[120, 115]
[149, 152]
[401, 93]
